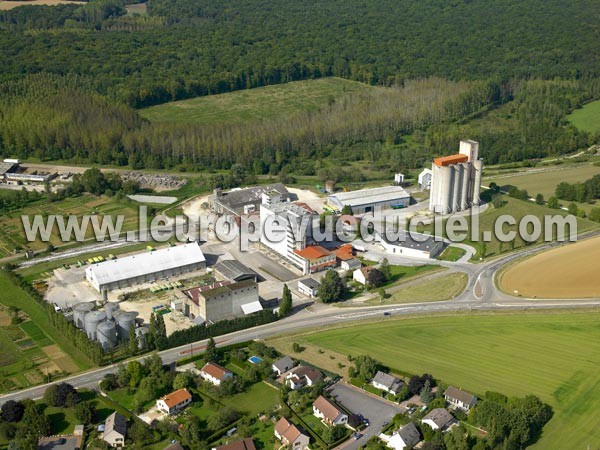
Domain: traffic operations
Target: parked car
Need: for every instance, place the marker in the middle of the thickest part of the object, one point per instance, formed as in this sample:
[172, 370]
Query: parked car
[357, 436]
[387, 313]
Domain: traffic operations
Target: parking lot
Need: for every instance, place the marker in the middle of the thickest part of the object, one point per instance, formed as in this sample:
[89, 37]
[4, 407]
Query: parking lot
[377, 411]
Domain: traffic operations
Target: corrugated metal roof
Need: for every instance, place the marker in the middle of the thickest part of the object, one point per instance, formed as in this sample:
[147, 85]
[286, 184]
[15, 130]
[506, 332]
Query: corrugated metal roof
[144, 263]
[369, 196]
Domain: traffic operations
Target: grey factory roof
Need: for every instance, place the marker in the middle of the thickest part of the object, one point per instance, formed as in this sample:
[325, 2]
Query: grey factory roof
[310, 283]
[240, 197]
[5, 167]
[144, 263]
[414, 240]
[369, 196]
[232, 269]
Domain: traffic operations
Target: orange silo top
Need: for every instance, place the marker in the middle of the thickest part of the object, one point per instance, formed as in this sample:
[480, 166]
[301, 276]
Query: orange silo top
[450, 160]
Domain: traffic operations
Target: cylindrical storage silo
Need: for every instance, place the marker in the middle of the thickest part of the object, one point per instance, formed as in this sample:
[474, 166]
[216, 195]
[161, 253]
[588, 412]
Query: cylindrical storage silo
[477, 182]
[106, 334]
[125, 321]
[140, 334]
[92, 319]
[79, 312]
[111, 309]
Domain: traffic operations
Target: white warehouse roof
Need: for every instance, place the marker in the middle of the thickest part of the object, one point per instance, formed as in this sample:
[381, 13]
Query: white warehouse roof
[369, 196]
[145, 263]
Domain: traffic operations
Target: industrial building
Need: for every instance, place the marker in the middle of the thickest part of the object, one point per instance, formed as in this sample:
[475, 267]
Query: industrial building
[233, 270]
[243, 201]
[368, 200]
[315, 258]
[424, 179]
[223, 300]
[456, 180]
[145, 267]
[294, 221]
[413, 245]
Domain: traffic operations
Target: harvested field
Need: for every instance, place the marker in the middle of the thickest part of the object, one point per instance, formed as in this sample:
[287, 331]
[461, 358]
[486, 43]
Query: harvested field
[566, 272]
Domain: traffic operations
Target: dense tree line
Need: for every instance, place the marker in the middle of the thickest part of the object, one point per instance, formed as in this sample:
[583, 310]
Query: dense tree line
[188, 48]
[579, 192]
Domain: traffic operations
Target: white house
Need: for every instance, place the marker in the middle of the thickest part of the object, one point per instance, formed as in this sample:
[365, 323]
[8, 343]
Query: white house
[303, 376]
[387, 382]
[115, 429]
[174, 402]
[438, 419]
[406, 437]
[214, 373]
[425, 178]
[328, 412]
[362, 275]
[282, 365]
[460, 399]
[290, 435]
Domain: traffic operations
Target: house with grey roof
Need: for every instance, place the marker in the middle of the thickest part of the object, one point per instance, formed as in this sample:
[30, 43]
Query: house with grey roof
[439, 419]
[115, 430]
[406, 437]
[309, 287]
[387, 383]
[460, 399]
[282, 365]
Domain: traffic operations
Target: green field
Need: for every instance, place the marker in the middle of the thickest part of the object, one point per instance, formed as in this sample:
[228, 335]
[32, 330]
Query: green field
[587, 118]
[553, 356]
[452, 254]
[436, 289]
[251, 104]
[545, 182]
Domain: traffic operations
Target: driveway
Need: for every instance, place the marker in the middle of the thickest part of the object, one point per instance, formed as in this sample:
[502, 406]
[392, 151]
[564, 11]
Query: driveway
[377, 411]
[153, 414]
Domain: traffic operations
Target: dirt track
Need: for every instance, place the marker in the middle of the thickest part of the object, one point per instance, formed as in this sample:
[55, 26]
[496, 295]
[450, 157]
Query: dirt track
[566, 272]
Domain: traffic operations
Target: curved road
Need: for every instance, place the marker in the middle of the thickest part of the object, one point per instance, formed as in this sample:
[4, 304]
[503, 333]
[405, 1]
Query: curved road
[480, 295]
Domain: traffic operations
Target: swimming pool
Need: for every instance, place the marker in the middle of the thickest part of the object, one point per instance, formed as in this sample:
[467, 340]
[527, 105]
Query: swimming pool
[255, 359]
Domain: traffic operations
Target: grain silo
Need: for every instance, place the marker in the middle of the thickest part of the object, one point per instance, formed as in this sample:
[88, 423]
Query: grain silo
[111, 309]
[79, 312]
[125, 321]
[92, 319]
[106, 334]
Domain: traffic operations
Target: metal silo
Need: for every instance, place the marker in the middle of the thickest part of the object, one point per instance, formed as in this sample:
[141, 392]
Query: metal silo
[79, 312]
[125, 321]
[92, 319]
[140, 334]
[106, 334]
[111, 309]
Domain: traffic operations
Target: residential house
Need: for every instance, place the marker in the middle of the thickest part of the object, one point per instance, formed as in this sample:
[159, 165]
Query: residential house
[174, 402]
[460, 399]
[214, 373]
[115, 430]
[309, 287]
[243, 444]
[406, 437]
[282, 365]
[387, 382]
[362, 275]
[345, 258]
[303, 376]
[438, 419]
[328, 412]
[290, 435]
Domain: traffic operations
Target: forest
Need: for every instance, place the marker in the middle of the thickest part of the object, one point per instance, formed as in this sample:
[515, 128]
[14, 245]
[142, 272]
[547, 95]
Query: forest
[73, 74]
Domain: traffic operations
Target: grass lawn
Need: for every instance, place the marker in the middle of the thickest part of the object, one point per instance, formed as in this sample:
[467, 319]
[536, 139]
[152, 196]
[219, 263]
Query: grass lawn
[437, 289]
[252, 104]
[545, 182]
[258, 398]
[587, 118]
[553, 356]
[452, 254]
[402, 274]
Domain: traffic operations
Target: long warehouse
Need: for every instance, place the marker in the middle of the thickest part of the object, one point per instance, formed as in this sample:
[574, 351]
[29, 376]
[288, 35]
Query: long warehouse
[145, 267]
[367, 200]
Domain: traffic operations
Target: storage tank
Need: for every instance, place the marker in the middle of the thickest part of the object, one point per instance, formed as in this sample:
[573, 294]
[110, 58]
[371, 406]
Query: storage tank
[125, 321]
[106, 334]
[79, 312]
[111, 309]
[140, 334]
[92, 319]
[478, 165]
